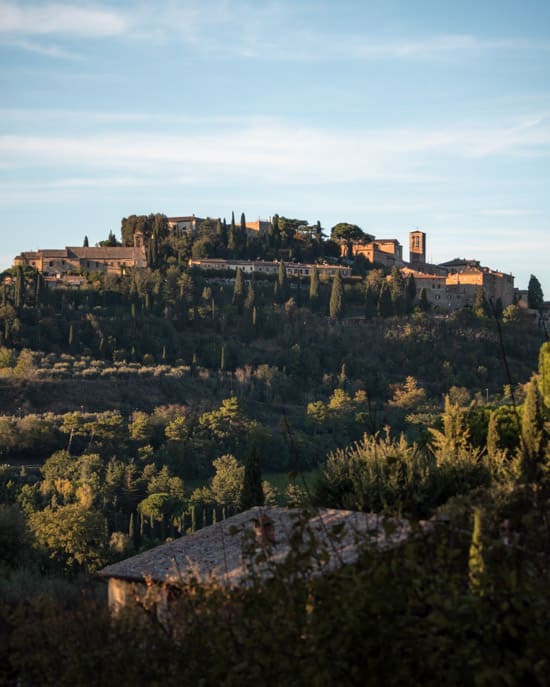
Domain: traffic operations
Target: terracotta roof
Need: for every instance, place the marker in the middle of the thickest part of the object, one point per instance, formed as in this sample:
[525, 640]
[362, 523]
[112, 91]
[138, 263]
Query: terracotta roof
[217, 551]
[51, 252]
[103, 253]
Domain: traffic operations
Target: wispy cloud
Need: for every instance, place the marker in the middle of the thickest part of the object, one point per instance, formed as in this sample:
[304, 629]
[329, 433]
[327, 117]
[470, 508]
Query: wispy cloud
[508, 212]
[278, 152]
[60, 19]
[266, 31]
[54, 51]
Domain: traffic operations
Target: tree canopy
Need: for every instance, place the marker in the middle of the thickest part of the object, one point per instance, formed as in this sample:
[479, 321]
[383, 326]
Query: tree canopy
[344, 231]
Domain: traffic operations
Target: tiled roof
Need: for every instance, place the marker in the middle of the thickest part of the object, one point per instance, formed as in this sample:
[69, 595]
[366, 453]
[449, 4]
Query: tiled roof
[51, 252]
[103, 253]
[217, 551]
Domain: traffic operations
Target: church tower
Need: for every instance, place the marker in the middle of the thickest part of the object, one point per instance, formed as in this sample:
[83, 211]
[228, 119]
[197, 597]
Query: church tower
[417, 248]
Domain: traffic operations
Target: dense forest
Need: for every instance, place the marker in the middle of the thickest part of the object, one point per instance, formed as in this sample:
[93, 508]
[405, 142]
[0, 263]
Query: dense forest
[134, 408]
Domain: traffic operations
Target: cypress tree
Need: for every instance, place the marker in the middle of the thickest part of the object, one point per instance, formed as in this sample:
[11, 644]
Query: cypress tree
[410, 292]
[385, 305]
[86, 243]
[238, 289]
[252, 493]
[480, 305]
[544, 373]
[535, 297]
[243, 230]
[371, 300]
[282, 283]
[314, 286]
[224, 233]
[38, 287]
[476, 563]
[493, 436]
[336, 304]
[19, 287]
[397, 290]
[232, 234]
[532, 431]
[250, 297]
[423, 303]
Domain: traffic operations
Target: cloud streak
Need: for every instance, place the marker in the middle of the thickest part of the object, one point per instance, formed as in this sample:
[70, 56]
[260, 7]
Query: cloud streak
[60, 19]
[265, 31]
[278, 152]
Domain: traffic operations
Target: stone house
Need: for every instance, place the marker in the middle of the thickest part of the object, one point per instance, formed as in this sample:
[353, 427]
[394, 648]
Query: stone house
[188, 224]
[74, 260]
[386, 252]
[218, 553]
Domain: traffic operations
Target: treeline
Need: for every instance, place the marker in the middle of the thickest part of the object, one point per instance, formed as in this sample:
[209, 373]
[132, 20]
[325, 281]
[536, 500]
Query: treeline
[117, 485]
[180, 317]
[286, 239]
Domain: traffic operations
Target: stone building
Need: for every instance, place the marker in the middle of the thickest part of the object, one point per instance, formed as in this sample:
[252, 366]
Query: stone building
[74, 260]
[417, 248]
[222, 552]
[260, 267]
[188, 224]
[385, 252]
[259, 227]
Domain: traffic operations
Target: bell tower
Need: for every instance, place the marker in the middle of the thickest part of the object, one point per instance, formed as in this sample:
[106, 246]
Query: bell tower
[417, 248]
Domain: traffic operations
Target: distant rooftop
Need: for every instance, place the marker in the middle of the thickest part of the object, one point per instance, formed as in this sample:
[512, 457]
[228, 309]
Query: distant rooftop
[217, 551]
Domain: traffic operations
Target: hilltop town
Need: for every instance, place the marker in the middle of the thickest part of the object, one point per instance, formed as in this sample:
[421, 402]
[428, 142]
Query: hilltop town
[447, 286]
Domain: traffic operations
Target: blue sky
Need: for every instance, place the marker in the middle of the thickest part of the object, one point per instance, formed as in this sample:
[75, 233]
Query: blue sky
[391, 115]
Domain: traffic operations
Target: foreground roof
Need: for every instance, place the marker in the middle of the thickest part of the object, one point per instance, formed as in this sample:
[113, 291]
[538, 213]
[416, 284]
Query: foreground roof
[217, 551]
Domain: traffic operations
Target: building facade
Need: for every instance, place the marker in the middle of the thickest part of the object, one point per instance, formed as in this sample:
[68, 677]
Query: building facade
[259, 267]
[78, 259]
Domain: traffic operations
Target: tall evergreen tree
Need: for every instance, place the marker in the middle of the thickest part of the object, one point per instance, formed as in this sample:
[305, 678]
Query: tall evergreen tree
[86, 243]
[544, 373]
[238, 289]
[282, 282]
[493, 435]
[250, 297]
[252, 492]
[410, 292]
[243, 232]
[385, 305]
[336, 304]
[19, 287]
[39, 284]
[532, 433]
[224, 233]
[274, 232]
[397, 291]
[314, 286]
[476, 562]
[535, 297]
[423, 302]
[480, 305]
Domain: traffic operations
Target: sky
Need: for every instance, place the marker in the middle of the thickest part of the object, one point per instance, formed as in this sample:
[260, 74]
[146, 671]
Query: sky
[392, 115]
